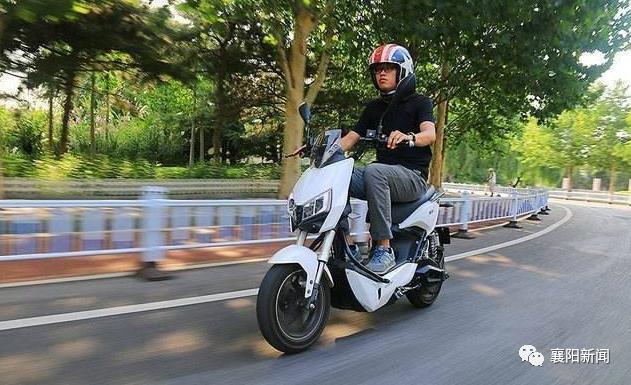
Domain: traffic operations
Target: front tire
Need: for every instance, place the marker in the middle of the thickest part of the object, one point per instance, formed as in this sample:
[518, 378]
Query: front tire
[282, 317]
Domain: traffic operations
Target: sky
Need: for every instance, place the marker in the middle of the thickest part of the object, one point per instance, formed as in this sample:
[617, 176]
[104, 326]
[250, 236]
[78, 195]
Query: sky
[620, 70]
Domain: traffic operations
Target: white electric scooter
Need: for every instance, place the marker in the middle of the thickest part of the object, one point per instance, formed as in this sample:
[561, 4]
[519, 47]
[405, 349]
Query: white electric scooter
[296, 295]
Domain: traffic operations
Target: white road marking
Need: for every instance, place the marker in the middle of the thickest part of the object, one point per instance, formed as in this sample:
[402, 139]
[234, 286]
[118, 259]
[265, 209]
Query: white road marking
[150, 306]
[567, 217]
[119, 310]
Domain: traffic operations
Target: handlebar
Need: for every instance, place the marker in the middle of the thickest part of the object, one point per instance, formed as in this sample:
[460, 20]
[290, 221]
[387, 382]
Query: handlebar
[299, 151]
[380, 140]
[383, 140]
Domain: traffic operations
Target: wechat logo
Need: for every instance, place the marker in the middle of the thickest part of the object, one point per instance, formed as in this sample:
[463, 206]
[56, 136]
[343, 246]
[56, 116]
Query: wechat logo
[529, 353]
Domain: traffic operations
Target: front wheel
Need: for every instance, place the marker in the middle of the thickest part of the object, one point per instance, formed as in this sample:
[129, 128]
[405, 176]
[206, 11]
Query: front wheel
[281, 310]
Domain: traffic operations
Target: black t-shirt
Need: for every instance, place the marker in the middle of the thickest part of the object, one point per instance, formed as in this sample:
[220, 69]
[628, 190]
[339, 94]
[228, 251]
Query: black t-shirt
[405, 117]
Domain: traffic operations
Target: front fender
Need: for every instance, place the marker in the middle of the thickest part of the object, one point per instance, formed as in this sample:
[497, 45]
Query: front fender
[306, 258]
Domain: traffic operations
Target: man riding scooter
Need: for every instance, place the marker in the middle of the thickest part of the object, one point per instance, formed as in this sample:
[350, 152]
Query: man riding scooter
[400, 173]
[307, 279]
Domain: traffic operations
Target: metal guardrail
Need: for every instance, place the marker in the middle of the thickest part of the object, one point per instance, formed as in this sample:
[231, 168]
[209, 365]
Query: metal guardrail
[153, 225]
[579, 195]
[483, 188]
[592, 196]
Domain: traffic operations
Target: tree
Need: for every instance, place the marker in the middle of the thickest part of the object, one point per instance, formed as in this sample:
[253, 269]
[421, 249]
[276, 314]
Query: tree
[348, 86]
[535, 148]
[50, 95]
[623, 150]
[523, 57]
[573, 142]
[82, 38]
[611, 132]
[170, 108]
[289, 26]
[595, 135]
[25, 10]
[226, 46]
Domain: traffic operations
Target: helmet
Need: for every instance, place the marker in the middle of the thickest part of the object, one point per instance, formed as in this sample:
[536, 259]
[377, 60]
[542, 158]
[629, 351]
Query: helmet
[391, 53]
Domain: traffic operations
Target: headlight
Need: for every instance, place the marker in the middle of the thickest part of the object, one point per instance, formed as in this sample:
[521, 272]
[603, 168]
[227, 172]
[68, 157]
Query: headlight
[319, 204]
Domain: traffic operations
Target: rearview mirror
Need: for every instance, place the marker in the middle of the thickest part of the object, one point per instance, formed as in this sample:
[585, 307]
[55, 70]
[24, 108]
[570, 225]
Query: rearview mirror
[305, 112]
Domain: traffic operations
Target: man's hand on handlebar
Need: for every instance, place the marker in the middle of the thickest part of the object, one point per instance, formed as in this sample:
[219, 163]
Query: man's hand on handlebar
[397, 139]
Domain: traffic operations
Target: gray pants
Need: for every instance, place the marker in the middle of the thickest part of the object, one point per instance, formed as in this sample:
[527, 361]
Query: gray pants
[380, 185]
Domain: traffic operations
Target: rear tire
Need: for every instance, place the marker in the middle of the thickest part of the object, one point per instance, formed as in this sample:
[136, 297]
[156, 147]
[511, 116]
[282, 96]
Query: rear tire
[280, 312]
[425, 296]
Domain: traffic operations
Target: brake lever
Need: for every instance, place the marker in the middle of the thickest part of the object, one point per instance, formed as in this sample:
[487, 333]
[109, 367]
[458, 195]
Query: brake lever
[299, 151]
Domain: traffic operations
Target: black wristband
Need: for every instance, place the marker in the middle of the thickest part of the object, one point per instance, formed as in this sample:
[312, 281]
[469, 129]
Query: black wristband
[412, 141]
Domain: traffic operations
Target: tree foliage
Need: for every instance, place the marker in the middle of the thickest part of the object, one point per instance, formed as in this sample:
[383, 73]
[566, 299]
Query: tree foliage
[519, 59]
[82, 36]
[595, 137]
[229, 75]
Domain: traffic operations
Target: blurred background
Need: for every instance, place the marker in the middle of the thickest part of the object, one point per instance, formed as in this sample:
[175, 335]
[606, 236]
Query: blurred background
[151, 134]
[207, 89]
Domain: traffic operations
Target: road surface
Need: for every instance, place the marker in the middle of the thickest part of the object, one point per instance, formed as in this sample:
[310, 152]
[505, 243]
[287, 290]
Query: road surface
[565, 287]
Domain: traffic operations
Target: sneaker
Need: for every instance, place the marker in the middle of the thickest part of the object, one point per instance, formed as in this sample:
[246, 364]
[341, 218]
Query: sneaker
[382, 260]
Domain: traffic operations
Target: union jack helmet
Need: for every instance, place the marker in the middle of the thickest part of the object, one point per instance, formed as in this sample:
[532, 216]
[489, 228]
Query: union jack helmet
[391, 53]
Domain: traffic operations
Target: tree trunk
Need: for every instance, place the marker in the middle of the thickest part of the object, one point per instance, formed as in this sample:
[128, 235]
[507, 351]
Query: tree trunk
[612, 177]
[294, 68]
[92, 123]
[107, 104]
[191, 153]
[569, 170]
[436, 168]
[202, 144]
[69, 91]
[224, 154]
[292, 139]
[217, 139]
[220, 111]
[443, 155]
[50, 121]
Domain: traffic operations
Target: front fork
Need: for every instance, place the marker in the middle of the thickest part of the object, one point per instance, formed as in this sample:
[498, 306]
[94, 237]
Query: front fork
[312, 288]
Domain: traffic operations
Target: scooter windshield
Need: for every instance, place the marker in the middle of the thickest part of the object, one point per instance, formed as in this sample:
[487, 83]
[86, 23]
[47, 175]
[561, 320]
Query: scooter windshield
[325, 147]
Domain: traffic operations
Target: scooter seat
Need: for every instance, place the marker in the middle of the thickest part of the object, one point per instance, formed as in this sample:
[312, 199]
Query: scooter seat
[401, 210]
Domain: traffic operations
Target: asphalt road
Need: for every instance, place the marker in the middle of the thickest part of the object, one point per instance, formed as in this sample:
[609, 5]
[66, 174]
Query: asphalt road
[565, 289]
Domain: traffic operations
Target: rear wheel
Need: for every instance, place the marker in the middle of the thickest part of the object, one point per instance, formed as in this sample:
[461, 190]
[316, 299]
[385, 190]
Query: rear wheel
[425, 295]
[281, 310]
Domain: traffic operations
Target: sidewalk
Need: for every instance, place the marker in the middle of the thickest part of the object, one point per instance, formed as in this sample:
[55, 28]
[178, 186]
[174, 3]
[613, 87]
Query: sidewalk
[39, 269]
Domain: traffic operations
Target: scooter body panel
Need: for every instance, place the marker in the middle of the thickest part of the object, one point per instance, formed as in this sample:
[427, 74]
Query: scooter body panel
[315, 181]
[373, 295]
[306, 258]
[425, 217]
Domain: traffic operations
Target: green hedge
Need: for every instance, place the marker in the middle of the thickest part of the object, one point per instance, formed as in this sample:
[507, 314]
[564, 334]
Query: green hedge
[103, 167]
[211, 171]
